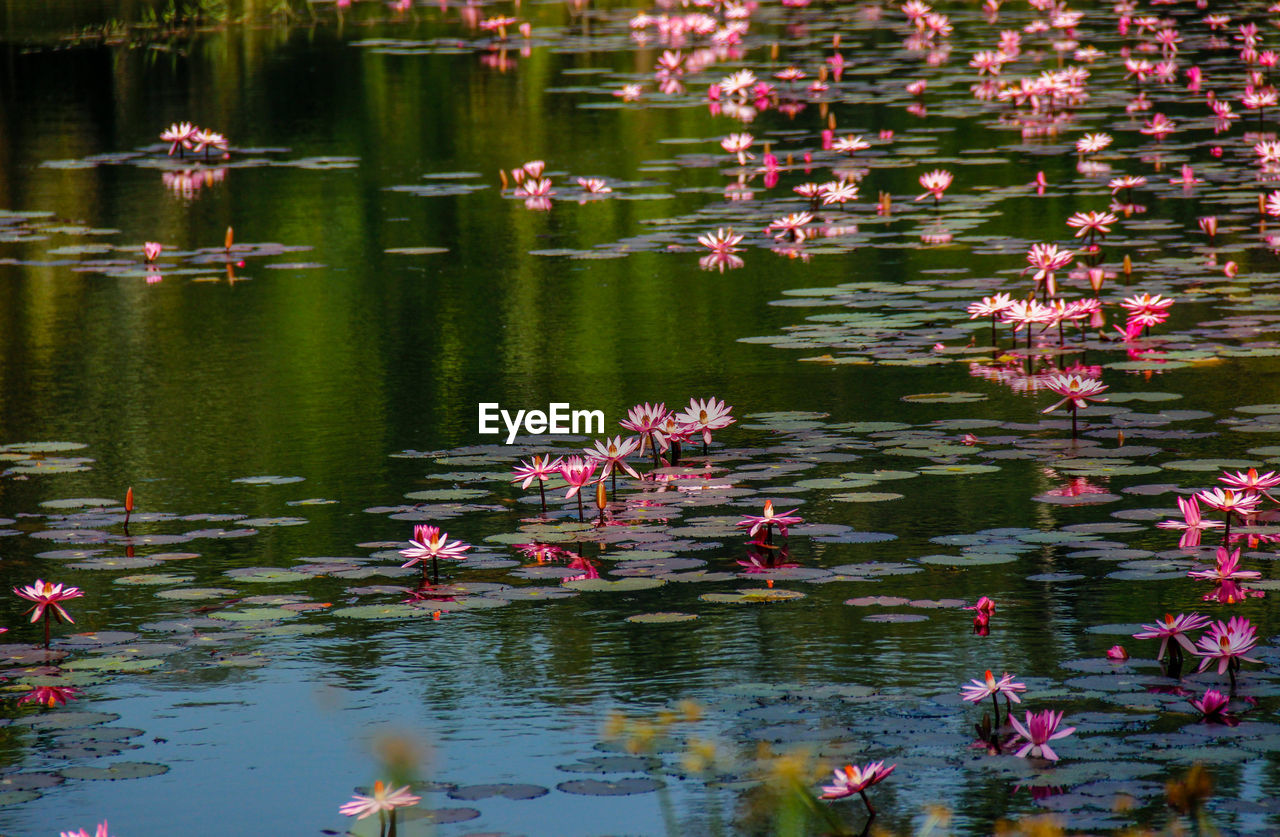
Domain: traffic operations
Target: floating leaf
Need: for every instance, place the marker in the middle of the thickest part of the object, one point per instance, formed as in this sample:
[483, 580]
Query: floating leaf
[662, 618]
[601, 787]
[119, 770]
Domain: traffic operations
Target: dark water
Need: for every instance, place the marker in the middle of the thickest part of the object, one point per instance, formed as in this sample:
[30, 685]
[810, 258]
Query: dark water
[326, 361]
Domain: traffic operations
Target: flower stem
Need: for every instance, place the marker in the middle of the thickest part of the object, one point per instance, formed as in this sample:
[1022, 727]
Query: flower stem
[870, 808]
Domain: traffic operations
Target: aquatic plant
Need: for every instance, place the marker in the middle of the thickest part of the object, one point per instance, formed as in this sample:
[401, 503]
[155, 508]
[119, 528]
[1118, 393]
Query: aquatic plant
[989, 687]
[1227, 643]
[382, 801]
[430, 542]
[49, 696]
[101, 831]
[703, 416]
[1192, 523]
[578, 472]
[1039, 730]
[48, 598]
[1077, 391]
[539, 468]
[768, 520]
[612, 454]
[1175, 628]
[853, 779]
[934, 183]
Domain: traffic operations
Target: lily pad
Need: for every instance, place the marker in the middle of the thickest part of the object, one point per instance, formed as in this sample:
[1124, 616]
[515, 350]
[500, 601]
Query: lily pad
[119, 770]
[662, 618]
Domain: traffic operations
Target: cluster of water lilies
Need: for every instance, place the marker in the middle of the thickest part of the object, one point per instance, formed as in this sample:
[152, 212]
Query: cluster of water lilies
[184, 136]
[1225, 642]
[1035, 734]
[656, 428]
[537, 190]
[47, 599]
[100, 831]
[1241, 497]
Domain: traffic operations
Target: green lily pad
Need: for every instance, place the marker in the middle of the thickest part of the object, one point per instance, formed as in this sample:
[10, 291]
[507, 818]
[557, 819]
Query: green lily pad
[386, 611]
[193, 594]
[968, 559]
[621, 585]
[80, 503]
[865, 497]
[767, 594]
[266, 575]
[66, 720]
[944, 398]
[1209, 464]
[153, 579]
[253, 614]
[437, 494]
[268, 480]
[600, 787]
[9, 797]
[958, 469]
[119, 770]
[114, 663]
[661, 618]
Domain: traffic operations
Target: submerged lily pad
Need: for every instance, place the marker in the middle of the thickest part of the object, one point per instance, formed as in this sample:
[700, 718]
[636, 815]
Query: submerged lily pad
[119, 770]
[473, 793]
[385, 611]
[601, 787]
[663, 618]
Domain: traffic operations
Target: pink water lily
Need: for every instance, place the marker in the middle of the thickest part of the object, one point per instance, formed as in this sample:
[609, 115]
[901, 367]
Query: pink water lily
[705, 416]
[612, 454]
[49, 696]
[101, 831]
[738, 144]
[1226, 569]
[151, 250]
[430, 542]
[1047, 260]
[578, 473]
[934, 184]
[48, 598]
[770, 519]
[1227, 642]
[721, 241]
[540, 468]
[1192, 523]
[853, 779]
[1252, 481]
[178, 135]
[1040, 729]
[1077, 391]
[645, 419]
[1212, 706]
[1091, 223]
[1230, 501]
[383, 799]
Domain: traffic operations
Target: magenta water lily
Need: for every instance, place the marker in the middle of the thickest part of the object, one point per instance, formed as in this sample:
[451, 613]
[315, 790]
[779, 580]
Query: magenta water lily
[48, 598]
[853, 779]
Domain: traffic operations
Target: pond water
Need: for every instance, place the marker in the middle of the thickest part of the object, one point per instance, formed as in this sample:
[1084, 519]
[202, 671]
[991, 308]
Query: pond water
[249, 650]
